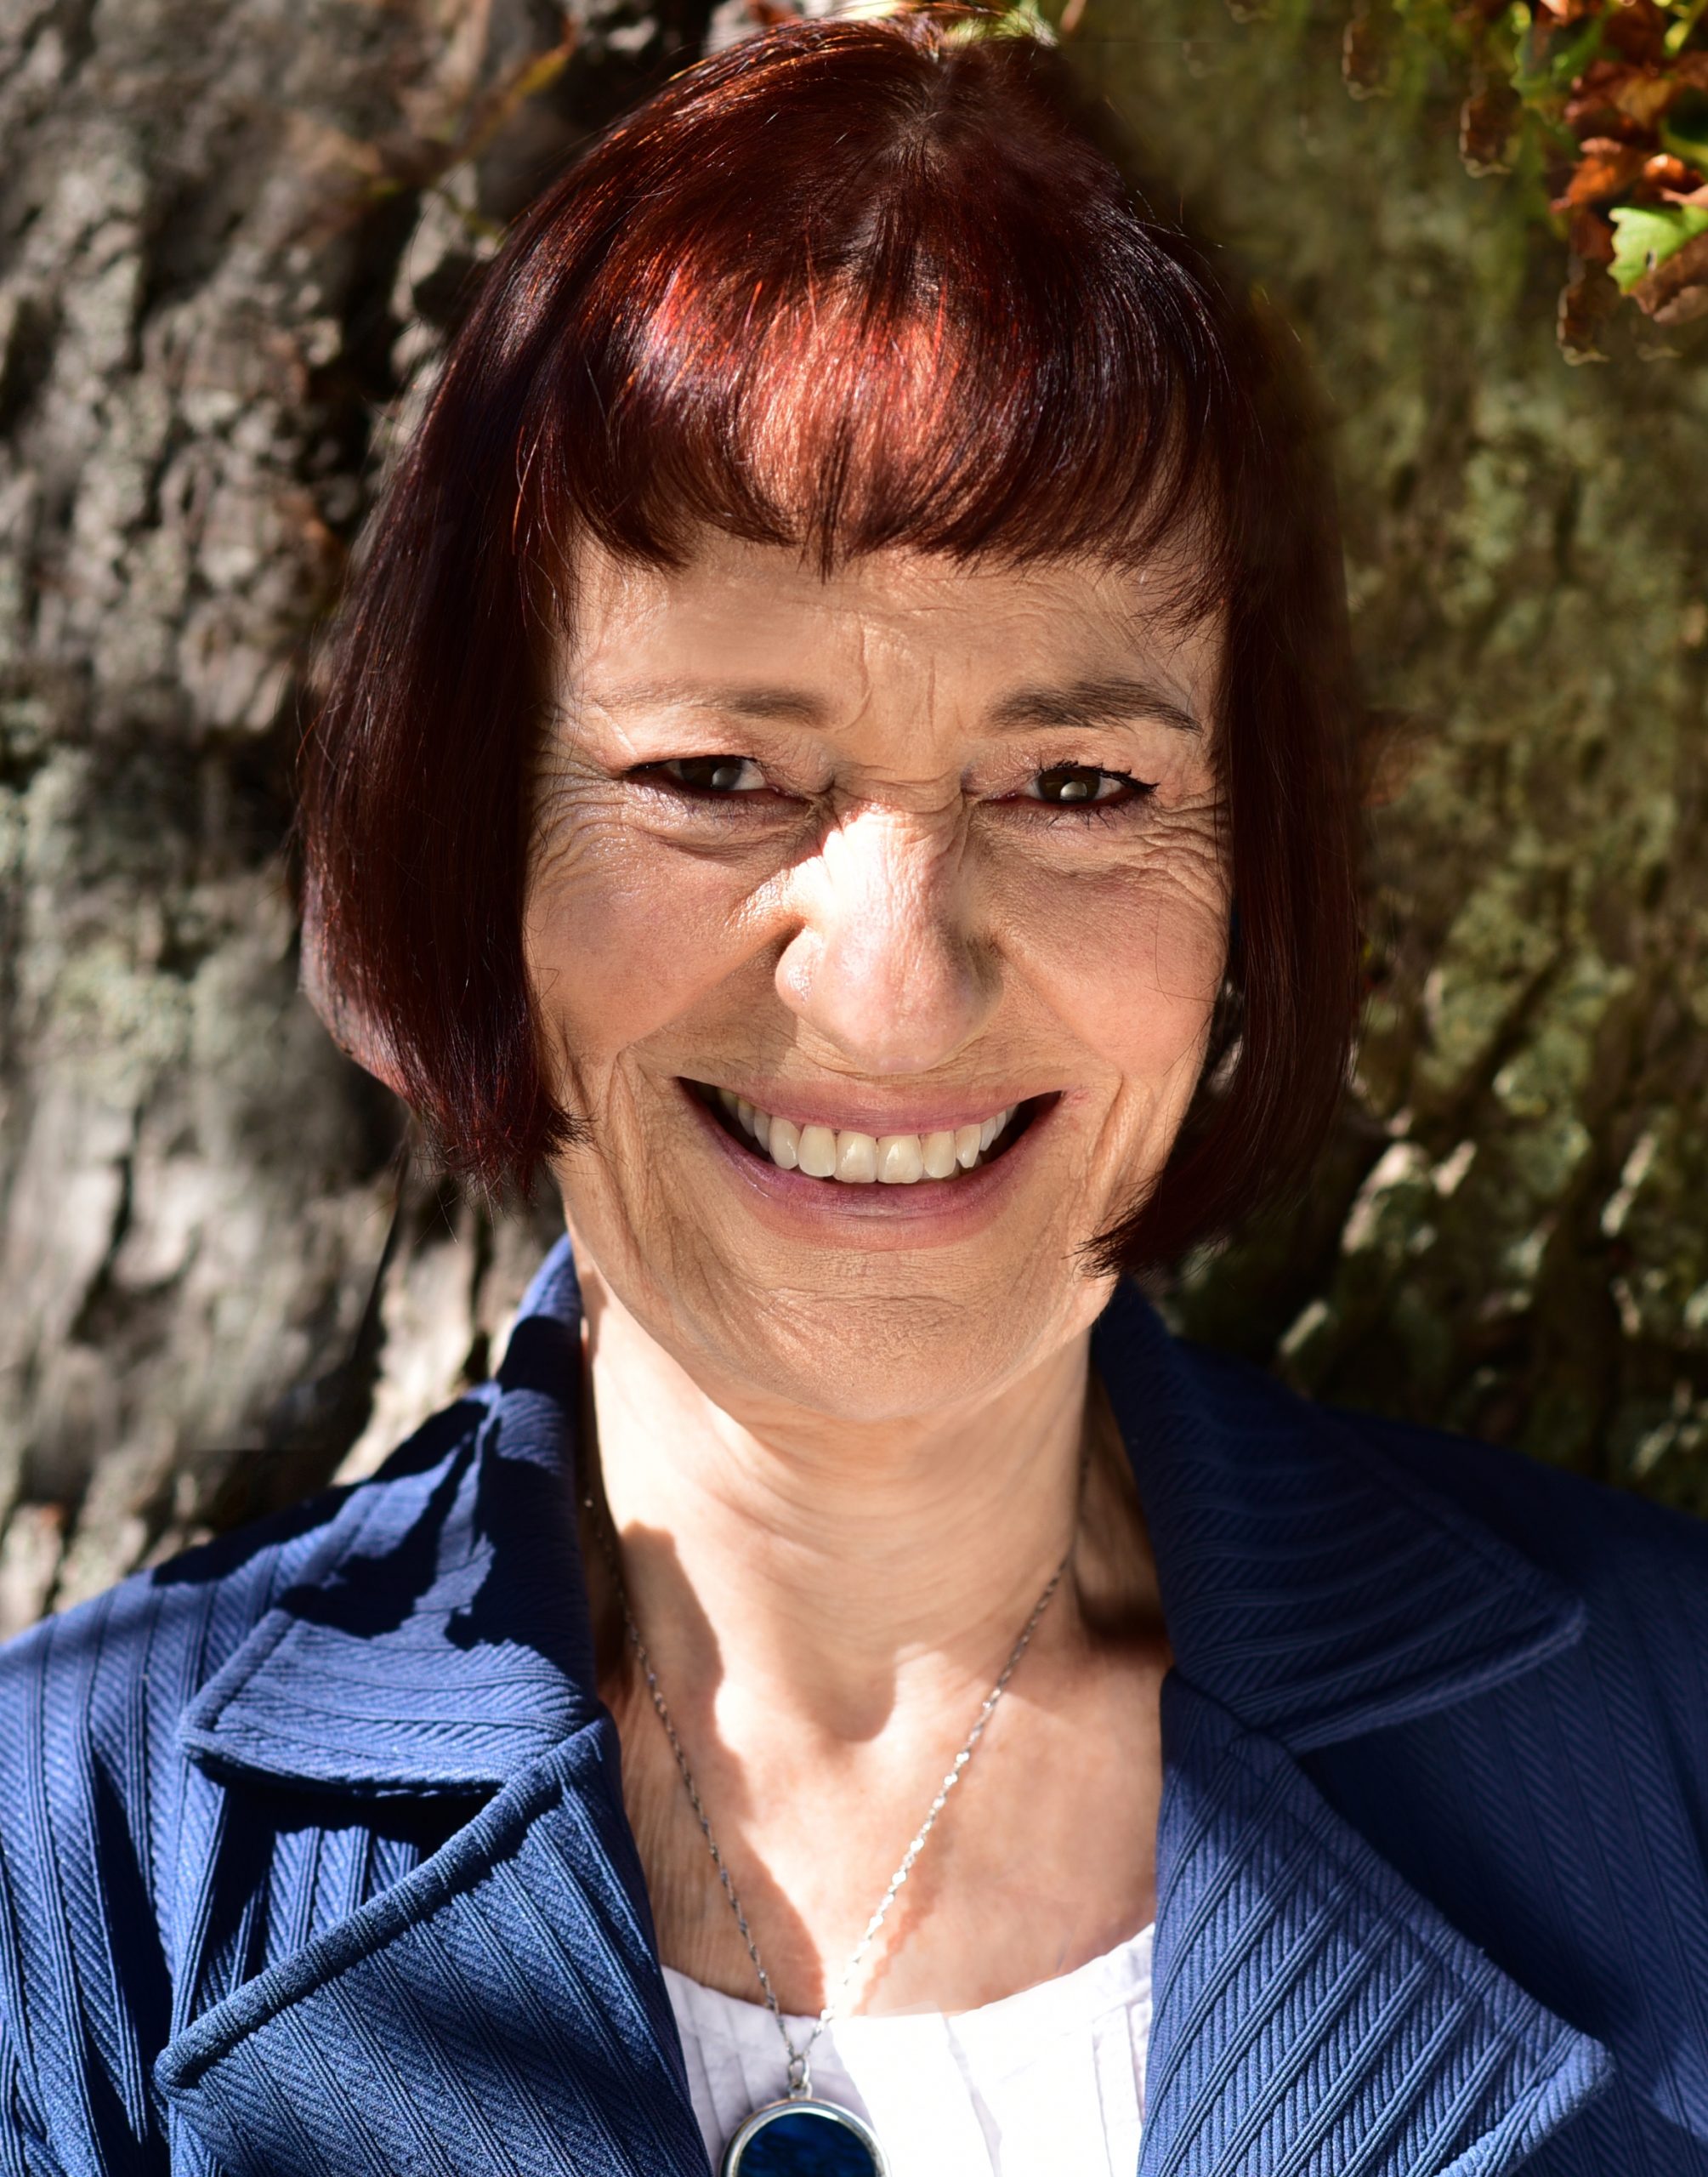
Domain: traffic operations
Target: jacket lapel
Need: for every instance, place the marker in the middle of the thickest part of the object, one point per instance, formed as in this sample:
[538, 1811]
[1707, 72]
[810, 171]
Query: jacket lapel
[442, 1640]
[499, 2009]
[1308, 1584]
[1314, 2015]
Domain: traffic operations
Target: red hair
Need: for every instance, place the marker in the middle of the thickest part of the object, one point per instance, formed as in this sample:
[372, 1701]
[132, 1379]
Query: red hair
[850, 285]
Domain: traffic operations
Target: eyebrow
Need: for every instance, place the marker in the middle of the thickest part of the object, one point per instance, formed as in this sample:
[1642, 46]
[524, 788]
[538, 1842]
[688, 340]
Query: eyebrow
[793, 704]
[1084, 704]
[1090, 703]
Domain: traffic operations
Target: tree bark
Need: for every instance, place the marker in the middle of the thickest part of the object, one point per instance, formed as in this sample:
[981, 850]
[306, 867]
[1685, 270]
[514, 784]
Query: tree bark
[1510, 1236]
[231, 236]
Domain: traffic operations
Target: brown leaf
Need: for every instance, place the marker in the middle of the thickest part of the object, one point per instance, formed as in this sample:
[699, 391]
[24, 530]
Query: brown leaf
[1643, 95]
[1487, 122]
[1637, 29]
[1587, 300]
[1591, 115]
[1676, 290]
[1615, 97]
[1592, 237]
[1606, 170]
[1665, 176]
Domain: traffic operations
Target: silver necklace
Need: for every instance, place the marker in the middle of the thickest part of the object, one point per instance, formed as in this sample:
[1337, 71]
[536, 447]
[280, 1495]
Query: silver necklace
[804, 2132]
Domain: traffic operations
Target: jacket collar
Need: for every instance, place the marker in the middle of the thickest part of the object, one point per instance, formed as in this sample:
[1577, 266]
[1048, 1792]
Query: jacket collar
[441, 1640]
[1309, 1585]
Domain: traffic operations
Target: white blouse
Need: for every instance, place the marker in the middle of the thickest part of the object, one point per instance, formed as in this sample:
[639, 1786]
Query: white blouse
[1049, 2083]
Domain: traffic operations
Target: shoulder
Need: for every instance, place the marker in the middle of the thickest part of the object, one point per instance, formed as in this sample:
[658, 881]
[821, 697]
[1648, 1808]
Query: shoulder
[1584, 1530]
[1590, 1533]
[1554, 1813]
[104, 1817]
[1635, 1571]
[1639, 1568]
[105, 1684]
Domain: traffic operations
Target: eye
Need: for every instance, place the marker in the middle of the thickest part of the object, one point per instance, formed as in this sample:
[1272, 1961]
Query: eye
[720, 775]
[1071, 786]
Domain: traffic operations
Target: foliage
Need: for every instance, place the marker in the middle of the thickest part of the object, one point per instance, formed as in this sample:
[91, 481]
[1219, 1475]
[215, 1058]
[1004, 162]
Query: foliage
[1602, 103]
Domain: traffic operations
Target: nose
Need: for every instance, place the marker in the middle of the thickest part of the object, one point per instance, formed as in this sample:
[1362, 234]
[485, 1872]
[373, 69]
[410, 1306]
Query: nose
[882, 964]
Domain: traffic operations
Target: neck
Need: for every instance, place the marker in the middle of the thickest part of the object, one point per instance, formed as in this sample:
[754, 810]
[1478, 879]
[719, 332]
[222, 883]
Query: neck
[826, 1605]
[827, 1566]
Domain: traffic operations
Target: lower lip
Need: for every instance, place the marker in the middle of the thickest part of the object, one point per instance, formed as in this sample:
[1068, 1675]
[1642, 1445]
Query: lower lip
[928, 1214]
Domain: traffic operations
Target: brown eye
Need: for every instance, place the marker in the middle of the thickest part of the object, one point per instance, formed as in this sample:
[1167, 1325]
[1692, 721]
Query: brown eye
[719, 775]
[1066, 786]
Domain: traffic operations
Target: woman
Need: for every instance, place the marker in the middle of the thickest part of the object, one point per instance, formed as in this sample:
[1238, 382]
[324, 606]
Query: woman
[855, 1695]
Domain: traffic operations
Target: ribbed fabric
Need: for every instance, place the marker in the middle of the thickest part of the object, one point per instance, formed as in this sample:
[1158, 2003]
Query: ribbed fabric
[1314, 2016]
[313, 1856]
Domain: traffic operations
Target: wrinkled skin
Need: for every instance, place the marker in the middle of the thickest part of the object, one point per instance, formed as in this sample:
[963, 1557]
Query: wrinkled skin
[841, 1428]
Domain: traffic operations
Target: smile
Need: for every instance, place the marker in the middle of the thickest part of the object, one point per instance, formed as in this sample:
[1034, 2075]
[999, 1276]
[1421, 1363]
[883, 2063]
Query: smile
[853, 1158]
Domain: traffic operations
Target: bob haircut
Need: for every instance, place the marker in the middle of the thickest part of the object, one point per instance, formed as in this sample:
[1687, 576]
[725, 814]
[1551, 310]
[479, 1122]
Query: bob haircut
[851, 284]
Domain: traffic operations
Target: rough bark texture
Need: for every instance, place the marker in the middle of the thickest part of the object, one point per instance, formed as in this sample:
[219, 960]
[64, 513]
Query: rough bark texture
[230, 235]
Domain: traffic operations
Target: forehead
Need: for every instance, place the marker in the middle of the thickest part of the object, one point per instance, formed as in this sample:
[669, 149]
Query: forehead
[737, 611]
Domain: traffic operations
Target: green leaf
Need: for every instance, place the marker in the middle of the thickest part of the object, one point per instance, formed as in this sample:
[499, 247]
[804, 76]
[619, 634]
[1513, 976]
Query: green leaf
[1017, 19]
[1688, 16]
[1646, 235]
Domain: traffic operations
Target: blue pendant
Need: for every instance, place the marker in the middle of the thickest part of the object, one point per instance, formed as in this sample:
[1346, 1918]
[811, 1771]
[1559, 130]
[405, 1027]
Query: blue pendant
[802, 2138]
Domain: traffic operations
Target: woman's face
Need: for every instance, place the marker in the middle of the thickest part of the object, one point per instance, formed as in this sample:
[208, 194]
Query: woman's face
[886, 856]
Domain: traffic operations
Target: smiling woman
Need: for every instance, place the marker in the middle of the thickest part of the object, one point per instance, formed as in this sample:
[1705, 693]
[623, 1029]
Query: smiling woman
[812, 851]
[840, 746]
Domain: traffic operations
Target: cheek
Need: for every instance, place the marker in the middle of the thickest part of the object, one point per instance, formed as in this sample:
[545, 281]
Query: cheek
[622, 935]
[1131, 962]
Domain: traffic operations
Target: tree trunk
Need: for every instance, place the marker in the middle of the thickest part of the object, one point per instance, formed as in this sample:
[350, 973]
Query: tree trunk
[229, 235]
[230, 238]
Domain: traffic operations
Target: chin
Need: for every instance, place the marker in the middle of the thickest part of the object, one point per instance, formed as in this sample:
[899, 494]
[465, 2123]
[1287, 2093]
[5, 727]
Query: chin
[860, 1356]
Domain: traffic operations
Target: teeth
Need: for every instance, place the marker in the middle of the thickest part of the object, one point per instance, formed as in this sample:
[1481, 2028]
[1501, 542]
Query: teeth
[900, 1159]
[818, 1152]
[858, 1159]
[937, 1154]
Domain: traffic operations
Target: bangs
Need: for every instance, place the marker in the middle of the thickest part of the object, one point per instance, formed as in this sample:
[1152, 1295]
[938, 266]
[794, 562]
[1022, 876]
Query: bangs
[880, 325]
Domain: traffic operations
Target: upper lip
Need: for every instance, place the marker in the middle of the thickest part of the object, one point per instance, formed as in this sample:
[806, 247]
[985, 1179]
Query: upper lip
[852, 1110]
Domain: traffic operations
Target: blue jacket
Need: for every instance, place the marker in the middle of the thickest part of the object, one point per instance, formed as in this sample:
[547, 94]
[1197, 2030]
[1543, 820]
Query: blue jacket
[313, 1856]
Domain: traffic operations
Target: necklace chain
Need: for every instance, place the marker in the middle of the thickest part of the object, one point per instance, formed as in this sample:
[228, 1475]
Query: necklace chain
[800, 2058]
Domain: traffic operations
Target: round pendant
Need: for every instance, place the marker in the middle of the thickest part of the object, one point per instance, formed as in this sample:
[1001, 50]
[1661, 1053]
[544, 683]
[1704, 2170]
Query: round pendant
[802, 2138]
